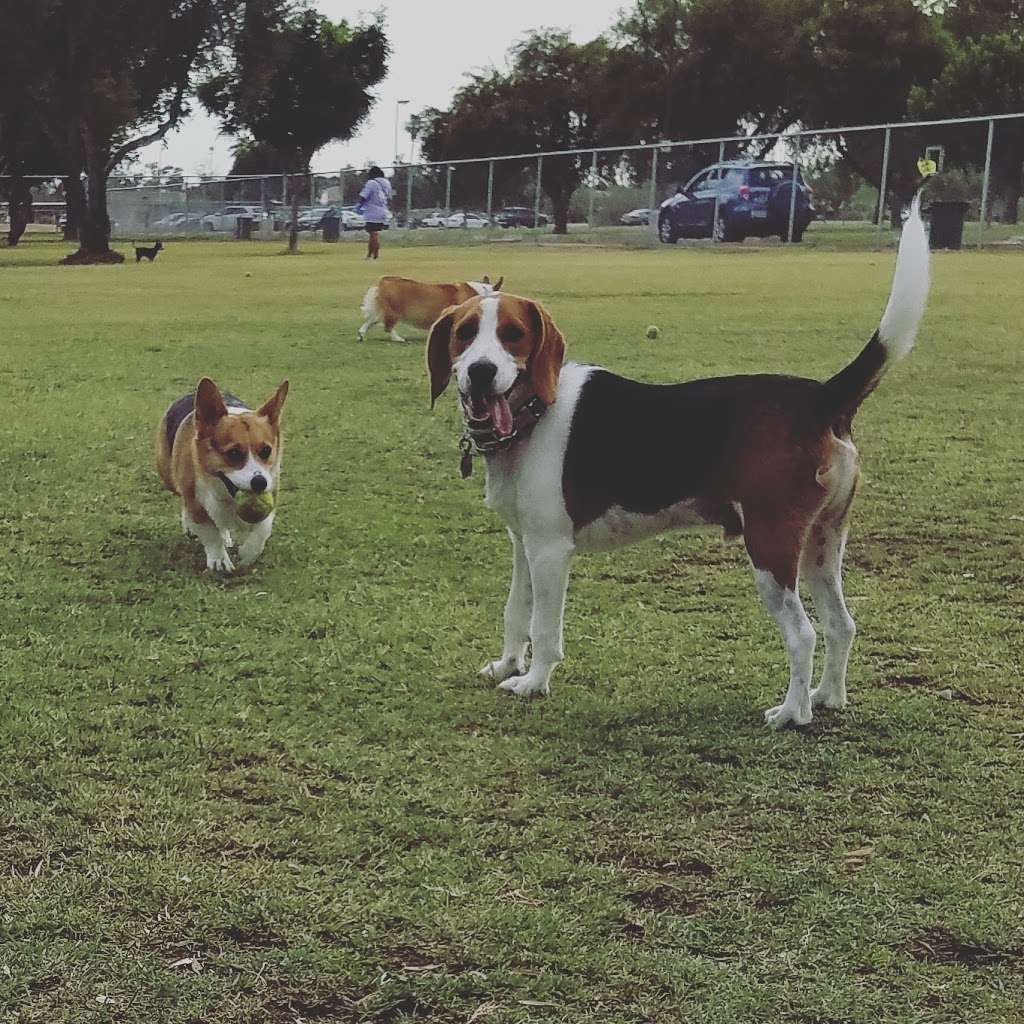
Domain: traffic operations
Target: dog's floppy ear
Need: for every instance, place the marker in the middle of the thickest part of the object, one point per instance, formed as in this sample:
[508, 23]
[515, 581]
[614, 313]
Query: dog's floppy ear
[271, 408]
[210, 408]
[497, 286]
[439, 356]
[545, 362]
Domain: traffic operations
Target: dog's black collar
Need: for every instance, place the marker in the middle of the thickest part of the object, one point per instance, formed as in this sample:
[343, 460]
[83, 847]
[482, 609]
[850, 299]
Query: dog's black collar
[480, 436]
[232, 488]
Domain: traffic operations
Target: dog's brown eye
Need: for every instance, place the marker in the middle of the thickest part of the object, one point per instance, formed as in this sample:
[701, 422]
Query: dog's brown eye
[466, 331]
[510, 333]
[236, 455]
[264, 452]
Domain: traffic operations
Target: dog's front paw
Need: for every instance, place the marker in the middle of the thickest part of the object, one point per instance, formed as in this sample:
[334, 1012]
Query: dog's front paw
[787, 714]
[248, 553]
[524, 686]
[219, 561]
[826, 697]
[502, 669]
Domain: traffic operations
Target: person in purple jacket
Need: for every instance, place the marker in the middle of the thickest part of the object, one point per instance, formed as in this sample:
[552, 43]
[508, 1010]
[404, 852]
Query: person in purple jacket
[373, 205]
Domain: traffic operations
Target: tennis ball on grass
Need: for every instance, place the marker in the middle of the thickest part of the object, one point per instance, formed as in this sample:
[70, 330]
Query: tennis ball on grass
[253, 508]
[652, 332]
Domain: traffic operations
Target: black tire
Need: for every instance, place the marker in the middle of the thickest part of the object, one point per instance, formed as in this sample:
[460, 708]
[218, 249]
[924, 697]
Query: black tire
[666, 230]
[723, 231]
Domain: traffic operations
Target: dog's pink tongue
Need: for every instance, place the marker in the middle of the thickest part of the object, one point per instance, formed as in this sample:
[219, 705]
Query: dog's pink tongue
[501, 415]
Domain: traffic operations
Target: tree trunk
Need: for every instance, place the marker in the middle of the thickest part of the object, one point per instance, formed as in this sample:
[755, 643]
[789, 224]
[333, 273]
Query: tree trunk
[74, 198]
[293, 228]
[560, 197]
[19, 210]
[1012, 202]
[94, 228]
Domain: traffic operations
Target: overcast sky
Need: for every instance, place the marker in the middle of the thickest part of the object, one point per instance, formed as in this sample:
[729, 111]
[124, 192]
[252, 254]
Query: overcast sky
[433, 45]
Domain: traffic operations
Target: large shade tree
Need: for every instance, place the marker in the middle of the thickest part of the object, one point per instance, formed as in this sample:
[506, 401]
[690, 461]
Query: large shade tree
[109, 77]
[549, 99]
[983, 74]
[298, 82]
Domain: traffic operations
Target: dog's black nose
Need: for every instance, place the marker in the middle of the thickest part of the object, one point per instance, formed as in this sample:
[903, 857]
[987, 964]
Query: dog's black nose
[482, 373]
[258, 484]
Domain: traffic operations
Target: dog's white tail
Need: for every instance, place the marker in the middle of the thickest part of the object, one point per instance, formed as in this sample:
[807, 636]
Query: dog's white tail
[370, 308]
[909, 288]
[844, 392]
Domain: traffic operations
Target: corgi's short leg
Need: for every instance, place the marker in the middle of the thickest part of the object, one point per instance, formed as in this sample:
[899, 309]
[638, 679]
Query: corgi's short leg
[197, 523]
[252, 547]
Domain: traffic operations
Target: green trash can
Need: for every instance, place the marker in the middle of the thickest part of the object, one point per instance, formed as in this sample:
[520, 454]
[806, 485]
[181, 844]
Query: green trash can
[243, 229]
[947, 224]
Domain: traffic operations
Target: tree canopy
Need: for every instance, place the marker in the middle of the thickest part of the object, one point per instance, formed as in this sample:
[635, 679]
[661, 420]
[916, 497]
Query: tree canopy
[297, 83]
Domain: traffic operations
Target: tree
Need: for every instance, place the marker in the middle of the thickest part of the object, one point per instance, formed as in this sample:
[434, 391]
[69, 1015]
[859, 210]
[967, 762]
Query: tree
[549, 100]
[298, 82]
[109, 77]
[984, 74]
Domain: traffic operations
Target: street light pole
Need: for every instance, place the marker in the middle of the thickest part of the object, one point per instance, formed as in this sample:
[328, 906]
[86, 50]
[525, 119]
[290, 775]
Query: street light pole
[398, 107]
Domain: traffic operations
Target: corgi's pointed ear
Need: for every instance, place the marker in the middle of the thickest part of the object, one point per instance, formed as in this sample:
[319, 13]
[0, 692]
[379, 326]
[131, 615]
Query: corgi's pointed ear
[210, 407]
[485, 279]
[545, 362]
[271, 408]
[497, 286]
[439, 356]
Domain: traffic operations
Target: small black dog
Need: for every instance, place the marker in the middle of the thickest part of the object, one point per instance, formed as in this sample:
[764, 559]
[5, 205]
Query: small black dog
[150, 254]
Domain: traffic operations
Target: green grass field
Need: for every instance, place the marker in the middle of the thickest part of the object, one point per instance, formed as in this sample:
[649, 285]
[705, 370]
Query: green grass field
[284, 796]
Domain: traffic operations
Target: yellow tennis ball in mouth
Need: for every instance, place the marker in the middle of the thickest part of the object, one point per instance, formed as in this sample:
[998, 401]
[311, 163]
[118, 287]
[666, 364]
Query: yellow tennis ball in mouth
[254, 508]
[652, 332]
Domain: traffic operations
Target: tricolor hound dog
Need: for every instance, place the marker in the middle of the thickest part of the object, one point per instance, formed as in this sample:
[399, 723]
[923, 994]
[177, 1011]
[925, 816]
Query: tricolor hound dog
[767, 457]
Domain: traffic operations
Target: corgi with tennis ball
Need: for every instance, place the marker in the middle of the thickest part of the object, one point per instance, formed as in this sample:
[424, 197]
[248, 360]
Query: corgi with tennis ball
[224, 461]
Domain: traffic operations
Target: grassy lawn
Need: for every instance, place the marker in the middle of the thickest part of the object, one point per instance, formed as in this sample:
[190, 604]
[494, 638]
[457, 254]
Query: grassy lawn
[284, 796]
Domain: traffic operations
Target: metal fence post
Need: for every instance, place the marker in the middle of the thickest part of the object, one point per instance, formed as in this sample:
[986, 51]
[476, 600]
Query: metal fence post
[983, 212]
[653, 198]
[536, 198]
[593, 189]
[184, 185]
[881, 187]
[448, 191]
[284, 189]
[490, 189]
[410, 171]
[792, 189]
[721, 157]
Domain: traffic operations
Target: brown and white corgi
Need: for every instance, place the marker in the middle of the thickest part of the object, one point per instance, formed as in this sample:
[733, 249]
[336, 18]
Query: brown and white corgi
[210, 448]
[394, 300]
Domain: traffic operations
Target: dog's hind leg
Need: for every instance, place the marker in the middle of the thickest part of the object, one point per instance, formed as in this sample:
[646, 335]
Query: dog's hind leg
[549, 559]
[517, 619]
[822, 567]
[389, 325]
[774, 543]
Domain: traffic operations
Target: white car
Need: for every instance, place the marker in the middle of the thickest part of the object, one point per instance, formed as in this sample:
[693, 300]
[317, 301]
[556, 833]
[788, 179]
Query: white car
[227, 219]
[467, 219]
[436, 219]
[350, 220]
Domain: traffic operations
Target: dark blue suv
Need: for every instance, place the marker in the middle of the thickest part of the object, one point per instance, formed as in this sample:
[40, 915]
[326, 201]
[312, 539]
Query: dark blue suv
[734, 199]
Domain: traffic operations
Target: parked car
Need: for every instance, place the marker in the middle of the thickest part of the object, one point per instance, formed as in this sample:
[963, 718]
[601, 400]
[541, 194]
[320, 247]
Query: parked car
[467, 219]
[437, 219]
[226, 219]
[641, 216]
[729, 201]
[519, 217]
[313, 218]
[178, 221]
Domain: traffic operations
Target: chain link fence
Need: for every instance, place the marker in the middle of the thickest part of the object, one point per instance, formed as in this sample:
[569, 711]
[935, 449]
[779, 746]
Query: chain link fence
[847, 187]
